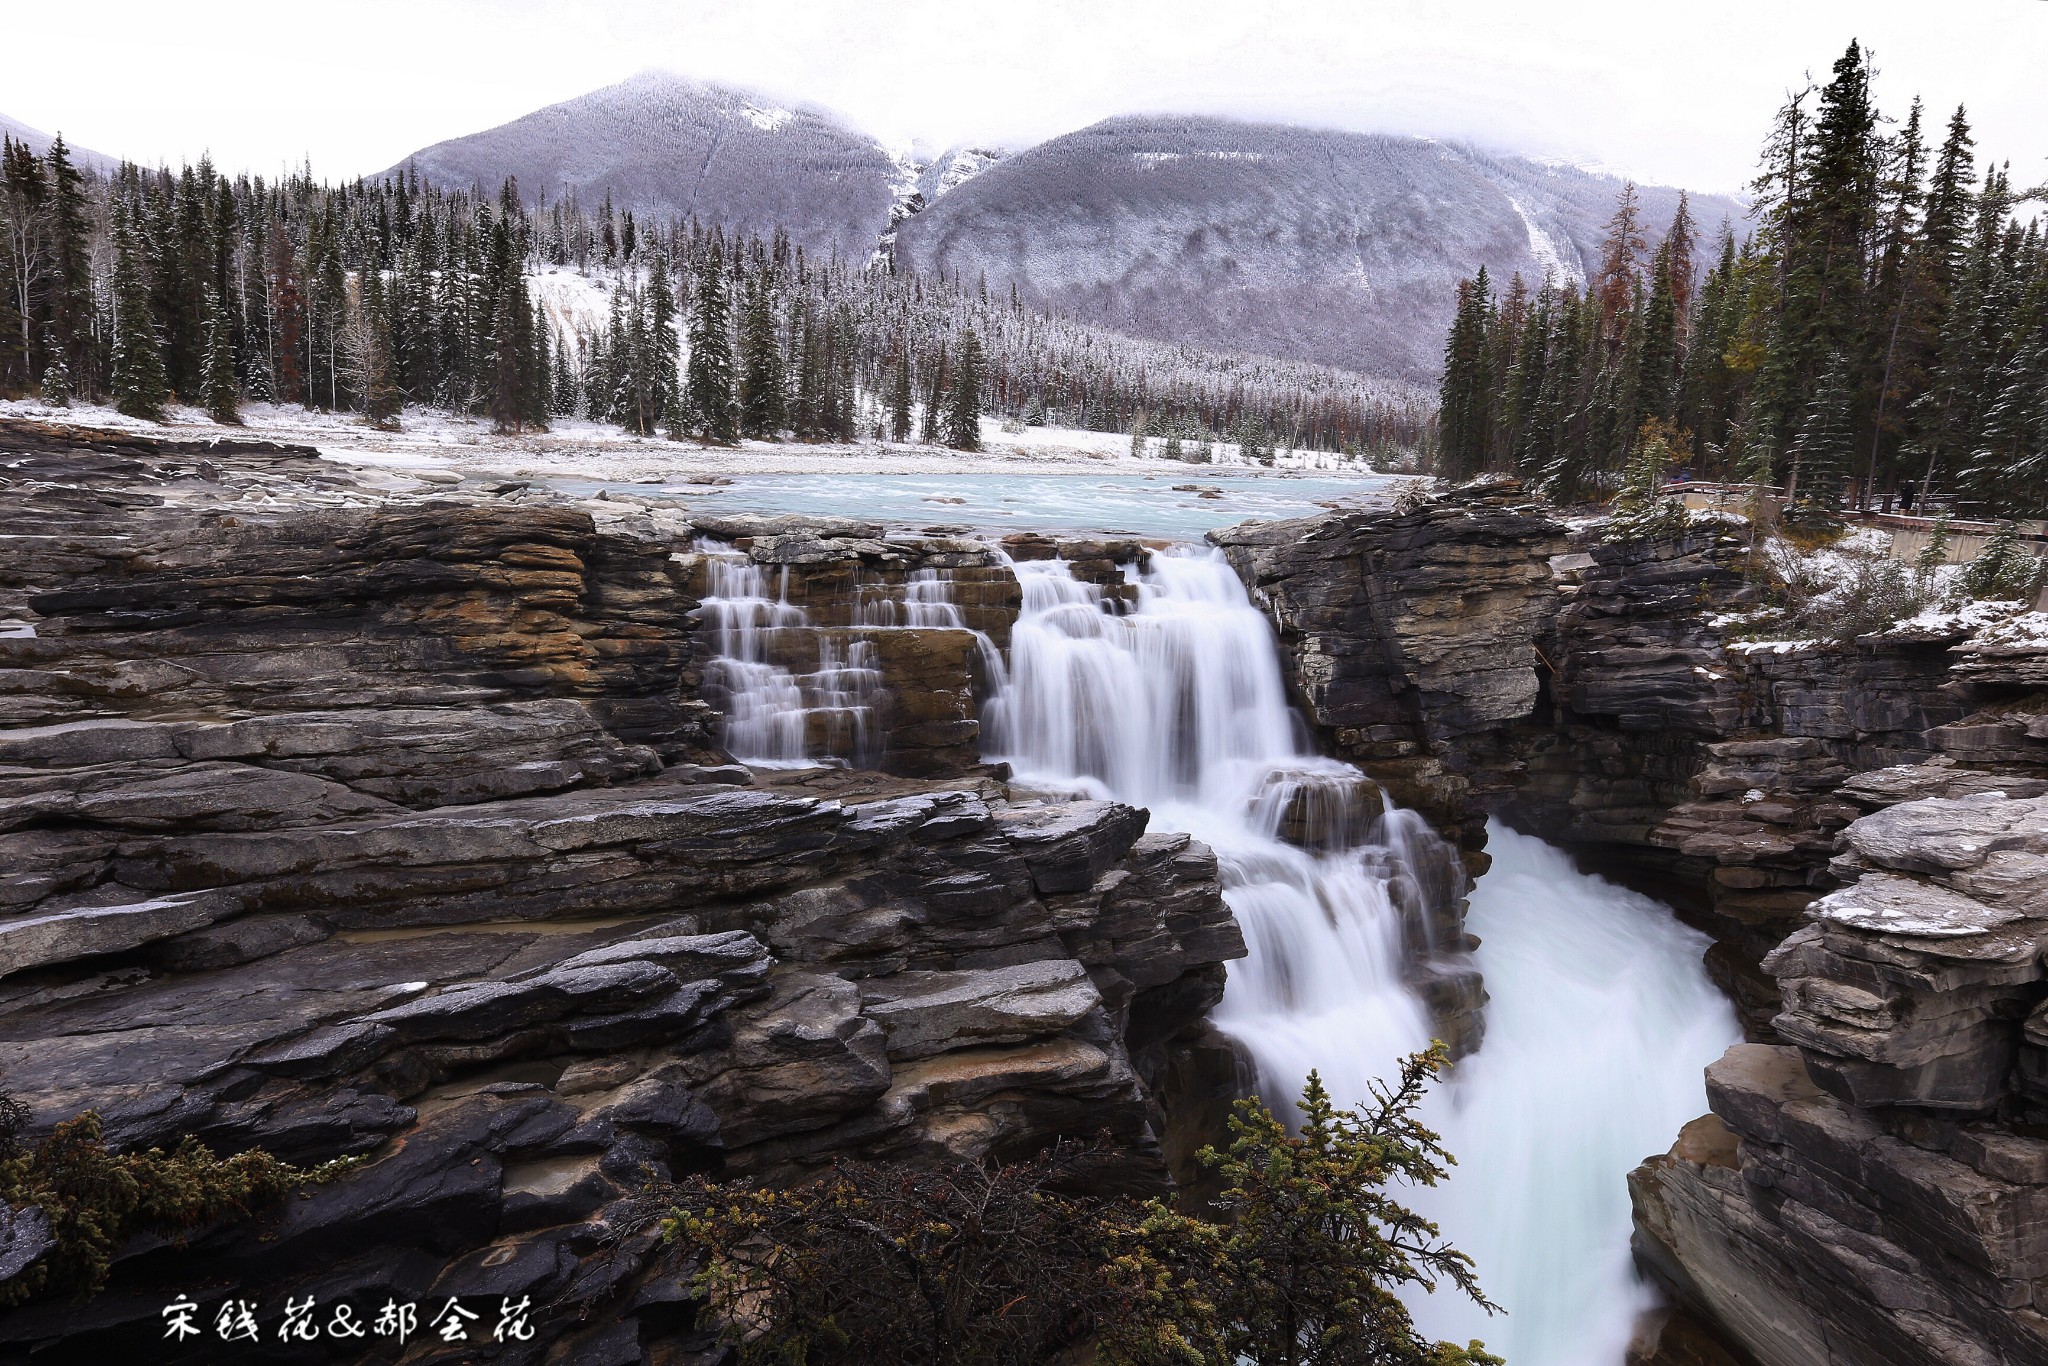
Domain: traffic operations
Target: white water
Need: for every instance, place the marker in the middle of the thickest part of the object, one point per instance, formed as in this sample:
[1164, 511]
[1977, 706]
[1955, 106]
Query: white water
[1601, 1018]
[775, 717]
[1600, 1026]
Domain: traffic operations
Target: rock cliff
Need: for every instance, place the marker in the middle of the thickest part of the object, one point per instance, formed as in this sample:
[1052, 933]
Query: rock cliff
[1876, 1191]
[342, 821]
[1868, 1187]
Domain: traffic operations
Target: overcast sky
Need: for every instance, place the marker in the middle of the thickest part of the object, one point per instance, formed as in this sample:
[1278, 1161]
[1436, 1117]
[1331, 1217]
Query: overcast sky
[1668, 93]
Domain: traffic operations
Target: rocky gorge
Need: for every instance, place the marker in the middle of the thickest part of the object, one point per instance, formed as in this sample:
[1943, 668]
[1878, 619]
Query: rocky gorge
[345, 819]
[1861, 828]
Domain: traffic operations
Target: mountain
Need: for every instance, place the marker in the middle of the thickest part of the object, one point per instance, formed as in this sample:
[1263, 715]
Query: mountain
[659, 141]
[1343, 248]
[1340, 248]
[39, 142]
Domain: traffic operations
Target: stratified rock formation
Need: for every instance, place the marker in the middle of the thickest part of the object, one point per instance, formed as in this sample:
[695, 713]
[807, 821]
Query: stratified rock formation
[1873, 1184]
[335, 821]
[1876, 1193]
[1412, 633]
[1478, 657]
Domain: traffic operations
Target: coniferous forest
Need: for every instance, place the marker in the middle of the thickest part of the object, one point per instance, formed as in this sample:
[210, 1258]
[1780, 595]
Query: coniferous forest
[1885, 327]
[152, 286]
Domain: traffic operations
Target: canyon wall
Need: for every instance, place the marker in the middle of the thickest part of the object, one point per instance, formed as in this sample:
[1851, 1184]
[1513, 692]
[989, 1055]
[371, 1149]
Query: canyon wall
[1857, 825]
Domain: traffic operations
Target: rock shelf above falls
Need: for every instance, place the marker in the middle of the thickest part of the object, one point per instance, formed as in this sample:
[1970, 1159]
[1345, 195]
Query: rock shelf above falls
[334, 820]
[333, 823]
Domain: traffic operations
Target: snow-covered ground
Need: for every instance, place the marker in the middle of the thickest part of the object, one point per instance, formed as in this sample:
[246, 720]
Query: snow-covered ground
[429, 440]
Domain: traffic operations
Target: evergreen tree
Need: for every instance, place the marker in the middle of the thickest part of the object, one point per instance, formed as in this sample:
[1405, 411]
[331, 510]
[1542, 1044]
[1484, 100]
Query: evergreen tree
[139, 386]
[963, 411]
[1463, 421]
[899, 393]
[934, 395]
[763, 393]
[2005, 568]
[219, 388]
[1825, 445]
[710, 400]
[56, 390]
[664, 355]
[71, 307]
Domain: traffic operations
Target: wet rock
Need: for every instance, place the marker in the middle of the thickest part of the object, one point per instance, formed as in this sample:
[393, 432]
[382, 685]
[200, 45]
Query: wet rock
[1882, 1194]
[931, 1012]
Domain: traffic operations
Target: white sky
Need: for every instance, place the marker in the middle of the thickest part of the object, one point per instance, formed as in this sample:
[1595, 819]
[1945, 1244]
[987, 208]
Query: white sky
[1672, 93]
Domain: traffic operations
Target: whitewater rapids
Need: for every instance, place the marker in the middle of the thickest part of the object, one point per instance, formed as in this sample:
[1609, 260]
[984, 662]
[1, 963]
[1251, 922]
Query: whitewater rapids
[1169, 696]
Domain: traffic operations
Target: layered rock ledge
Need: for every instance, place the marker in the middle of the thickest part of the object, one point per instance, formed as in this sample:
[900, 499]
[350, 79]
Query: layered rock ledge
[1875, 1191]
[337, 821]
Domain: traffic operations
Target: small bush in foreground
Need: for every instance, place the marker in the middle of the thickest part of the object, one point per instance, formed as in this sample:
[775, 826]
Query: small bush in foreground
[1014, 1264]
[96, 1200]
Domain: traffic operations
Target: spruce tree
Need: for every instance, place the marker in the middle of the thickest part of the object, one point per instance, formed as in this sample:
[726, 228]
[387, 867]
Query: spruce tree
[1463, 432]
[71, 307]
[963, 411]
[934, 396]
[899, 393]
[710, 399]
[139, 386]
[218, 385]
[763, 392]
[1822, 452]
[56, 390]
[664, 354]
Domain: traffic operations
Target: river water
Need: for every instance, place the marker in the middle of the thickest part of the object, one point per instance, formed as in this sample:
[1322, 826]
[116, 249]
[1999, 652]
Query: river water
[1601, 1017]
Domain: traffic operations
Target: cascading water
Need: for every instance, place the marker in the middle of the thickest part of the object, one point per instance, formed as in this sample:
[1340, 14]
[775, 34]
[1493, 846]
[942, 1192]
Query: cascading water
[764, 709]
[778, 717]
[926, 601]
[1601, 1018]
[1601, 1024]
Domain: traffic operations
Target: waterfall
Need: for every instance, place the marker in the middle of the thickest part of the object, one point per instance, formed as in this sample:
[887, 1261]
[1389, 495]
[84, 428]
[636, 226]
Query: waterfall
[1601, 1024]
[1168, 694]
[763, 704]
[778, 717]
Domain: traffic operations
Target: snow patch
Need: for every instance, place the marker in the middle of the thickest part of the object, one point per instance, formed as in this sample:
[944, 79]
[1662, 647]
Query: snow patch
[767, 120]
[1543, 247]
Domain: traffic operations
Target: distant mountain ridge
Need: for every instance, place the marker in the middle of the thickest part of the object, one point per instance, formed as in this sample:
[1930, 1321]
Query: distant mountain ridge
[1344, 248]
[1337, 247]
[660, 141]
[39, 142]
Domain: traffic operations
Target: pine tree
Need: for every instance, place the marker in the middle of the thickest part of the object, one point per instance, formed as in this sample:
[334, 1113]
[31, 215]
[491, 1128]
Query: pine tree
[218, 385]
[710, 400]
[963, 411]
[138, 382]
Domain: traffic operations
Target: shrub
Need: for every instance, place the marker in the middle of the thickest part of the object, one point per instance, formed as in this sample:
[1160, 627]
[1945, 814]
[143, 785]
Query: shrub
[2005, 569]
[96, 1200]
[1007, 1264]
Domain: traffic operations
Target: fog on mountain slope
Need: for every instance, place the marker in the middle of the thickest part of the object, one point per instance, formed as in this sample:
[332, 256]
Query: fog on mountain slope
[661, 142]
[1340, 248]
[1344, 248]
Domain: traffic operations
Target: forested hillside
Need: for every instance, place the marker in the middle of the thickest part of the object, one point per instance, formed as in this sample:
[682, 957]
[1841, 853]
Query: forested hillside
[1333, 246]
[1887, 325]
[153, 285]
